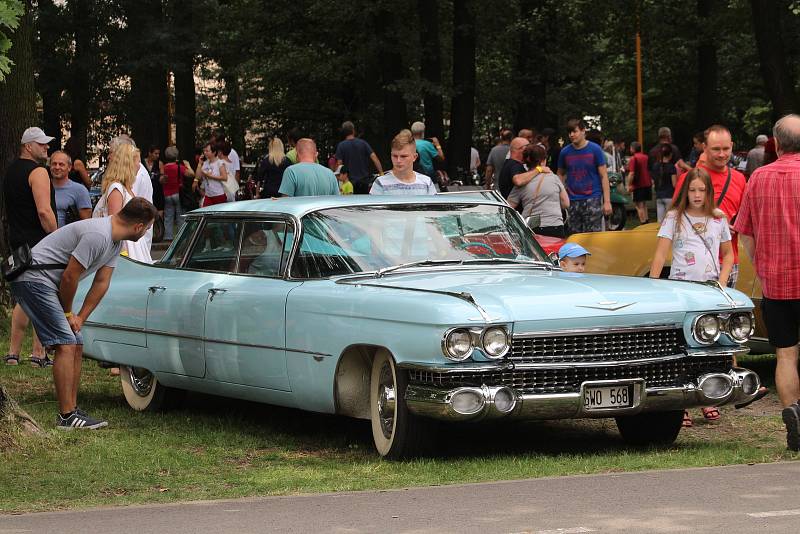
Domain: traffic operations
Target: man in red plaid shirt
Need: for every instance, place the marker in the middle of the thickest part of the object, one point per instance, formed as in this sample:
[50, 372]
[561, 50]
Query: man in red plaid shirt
[769, 226]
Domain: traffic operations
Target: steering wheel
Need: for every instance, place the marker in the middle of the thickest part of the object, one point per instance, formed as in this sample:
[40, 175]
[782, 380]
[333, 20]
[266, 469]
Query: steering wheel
[464, 246]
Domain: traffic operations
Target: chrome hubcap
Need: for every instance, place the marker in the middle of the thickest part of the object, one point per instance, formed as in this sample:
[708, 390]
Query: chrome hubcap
[386, 402]
[141, 380]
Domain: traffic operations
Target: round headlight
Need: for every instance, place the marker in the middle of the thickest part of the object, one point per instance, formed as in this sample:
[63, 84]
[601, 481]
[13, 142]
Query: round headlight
[458, 344]
[740, 327]
[706, 329]
[495, 342]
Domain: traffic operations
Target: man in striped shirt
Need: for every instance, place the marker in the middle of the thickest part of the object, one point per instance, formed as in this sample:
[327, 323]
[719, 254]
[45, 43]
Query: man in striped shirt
[769, 226]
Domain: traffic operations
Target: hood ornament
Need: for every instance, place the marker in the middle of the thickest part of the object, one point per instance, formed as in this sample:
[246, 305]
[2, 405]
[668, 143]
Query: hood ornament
[607, 305]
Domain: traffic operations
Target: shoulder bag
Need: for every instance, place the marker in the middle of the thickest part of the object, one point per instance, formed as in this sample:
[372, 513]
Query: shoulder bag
[21, 260]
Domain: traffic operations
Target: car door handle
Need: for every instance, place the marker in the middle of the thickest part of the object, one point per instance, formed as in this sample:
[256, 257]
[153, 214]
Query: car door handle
[214, 290]
[153, 289]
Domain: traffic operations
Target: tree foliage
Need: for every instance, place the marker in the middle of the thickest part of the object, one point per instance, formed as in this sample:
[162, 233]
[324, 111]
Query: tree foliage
[258, 69]
[10, 12]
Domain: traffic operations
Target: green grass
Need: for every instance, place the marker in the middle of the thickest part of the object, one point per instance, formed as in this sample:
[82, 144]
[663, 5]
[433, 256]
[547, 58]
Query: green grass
[218, 448]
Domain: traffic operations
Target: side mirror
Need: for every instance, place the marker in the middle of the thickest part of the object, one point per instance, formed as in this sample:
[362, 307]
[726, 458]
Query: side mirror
[554, 258]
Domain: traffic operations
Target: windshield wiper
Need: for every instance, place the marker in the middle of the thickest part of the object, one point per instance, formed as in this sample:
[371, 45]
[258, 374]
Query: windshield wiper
[380, 272]
[510, 260]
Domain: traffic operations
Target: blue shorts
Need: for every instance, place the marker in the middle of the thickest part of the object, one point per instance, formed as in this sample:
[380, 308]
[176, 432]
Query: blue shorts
[43, 307]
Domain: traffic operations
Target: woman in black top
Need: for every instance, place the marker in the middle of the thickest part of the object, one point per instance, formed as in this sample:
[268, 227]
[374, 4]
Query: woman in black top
[664, 176]
[270, 171]
[78, 174]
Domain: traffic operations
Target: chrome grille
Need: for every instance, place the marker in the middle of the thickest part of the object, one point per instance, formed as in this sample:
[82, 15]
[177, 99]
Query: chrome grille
[548, 380]
[599, 347]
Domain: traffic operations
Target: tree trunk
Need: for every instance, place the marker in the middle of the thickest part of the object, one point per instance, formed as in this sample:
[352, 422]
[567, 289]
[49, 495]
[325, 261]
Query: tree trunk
[395, 113]
[707, 112]
[80, 72]
[51, 82]
[233, 104]
[148, 98]
[771, 52]
[17, 92]
[463, 103]
[183, 70]
[12, 414]
[530, 110]
[431, 67]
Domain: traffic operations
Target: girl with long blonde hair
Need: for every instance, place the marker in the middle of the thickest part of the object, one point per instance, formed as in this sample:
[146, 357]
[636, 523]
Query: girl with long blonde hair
[117, 184]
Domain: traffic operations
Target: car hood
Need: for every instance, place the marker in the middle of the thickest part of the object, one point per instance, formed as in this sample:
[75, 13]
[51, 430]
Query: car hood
[534, 295]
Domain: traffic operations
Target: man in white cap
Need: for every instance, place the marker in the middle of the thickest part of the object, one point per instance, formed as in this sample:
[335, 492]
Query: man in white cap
[31, 212]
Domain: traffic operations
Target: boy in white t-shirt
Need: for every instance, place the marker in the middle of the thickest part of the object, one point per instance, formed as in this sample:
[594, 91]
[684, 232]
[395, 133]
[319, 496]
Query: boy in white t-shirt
[402, 180]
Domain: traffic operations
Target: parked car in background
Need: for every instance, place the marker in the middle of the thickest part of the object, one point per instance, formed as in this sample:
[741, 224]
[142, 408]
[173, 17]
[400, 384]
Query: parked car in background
[403, 310]
[630, 253]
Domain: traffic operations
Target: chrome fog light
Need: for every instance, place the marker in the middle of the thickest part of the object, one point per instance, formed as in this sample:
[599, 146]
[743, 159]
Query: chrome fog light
[706, 329]
[504, 400]
[716, 386]
[750, 383]
[457, 344]
[741, 326]
[495, 342]
[467, 401]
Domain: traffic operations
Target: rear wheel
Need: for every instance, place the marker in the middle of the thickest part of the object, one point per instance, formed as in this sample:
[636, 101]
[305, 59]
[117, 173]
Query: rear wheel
[397, 433]
[658, 428]
[143, 391]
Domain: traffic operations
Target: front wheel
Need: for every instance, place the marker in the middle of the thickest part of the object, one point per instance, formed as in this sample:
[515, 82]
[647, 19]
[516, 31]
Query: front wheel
[397, 433]
[658, 428]
[143, 391]
[616, 221]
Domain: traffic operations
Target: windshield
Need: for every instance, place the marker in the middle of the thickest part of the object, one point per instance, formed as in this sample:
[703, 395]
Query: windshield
[370, 238]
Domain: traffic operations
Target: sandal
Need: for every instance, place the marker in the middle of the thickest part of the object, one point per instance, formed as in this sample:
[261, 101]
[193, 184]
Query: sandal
[711, 414]
[11, 359]
[687, 420]
[41, 362]
[762, 392]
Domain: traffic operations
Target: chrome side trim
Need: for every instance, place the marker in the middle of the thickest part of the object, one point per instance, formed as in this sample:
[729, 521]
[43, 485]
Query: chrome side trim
[583, 331]
[123, 328]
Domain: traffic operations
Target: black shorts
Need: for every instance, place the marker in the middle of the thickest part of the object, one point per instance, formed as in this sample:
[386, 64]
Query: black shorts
[782, 318]
[643, 194]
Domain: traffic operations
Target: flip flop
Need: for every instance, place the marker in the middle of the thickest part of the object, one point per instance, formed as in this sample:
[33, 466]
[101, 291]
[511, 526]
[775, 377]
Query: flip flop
[762, 392]
[687, 420]
[41, 362]
[9, 358]
[711, 414]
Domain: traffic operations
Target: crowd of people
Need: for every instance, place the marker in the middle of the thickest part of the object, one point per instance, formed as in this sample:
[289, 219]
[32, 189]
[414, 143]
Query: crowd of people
[703, 205]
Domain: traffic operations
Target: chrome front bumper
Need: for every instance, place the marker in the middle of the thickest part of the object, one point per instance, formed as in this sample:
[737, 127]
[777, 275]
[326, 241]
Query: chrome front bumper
[438, 403]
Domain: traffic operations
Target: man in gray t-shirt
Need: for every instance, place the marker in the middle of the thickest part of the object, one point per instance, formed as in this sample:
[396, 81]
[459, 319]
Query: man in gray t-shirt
[65, 257]
[496, 158]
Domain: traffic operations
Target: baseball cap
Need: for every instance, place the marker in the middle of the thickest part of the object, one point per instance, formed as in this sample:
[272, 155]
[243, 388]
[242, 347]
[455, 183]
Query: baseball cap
[572, 250]
[35, 135]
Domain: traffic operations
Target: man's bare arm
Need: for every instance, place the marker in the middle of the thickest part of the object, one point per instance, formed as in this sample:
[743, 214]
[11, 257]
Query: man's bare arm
[39, 181]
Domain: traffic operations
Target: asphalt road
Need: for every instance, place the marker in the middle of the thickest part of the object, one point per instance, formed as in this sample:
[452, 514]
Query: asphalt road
[735, 499]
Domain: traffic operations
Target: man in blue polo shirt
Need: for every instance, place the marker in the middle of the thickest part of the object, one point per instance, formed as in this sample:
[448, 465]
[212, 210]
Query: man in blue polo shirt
[582, 168]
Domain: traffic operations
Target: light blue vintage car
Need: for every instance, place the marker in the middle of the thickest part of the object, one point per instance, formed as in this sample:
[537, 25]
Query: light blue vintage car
[405, 309]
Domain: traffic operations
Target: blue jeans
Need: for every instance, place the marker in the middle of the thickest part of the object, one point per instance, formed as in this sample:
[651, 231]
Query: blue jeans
[42, 305]
[173, 214]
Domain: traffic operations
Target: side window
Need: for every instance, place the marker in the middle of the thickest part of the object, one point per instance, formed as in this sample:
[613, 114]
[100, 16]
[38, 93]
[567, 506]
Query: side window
[216, 246]
[180, 246]
[264, 248]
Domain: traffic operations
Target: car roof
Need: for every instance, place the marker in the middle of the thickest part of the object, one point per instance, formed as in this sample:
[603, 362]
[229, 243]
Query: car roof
[299, 206]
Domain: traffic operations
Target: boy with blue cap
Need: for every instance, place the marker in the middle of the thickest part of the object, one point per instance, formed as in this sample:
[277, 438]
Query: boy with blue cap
[572, 258]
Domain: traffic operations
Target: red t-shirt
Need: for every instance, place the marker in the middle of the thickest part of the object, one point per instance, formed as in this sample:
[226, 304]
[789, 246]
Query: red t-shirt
[770, 213]
[641, 174]
[731, 202]
[172, 185]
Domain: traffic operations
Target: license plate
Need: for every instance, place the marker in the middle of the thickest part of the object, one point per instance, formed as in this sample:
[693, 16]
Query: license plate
[598, 397]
